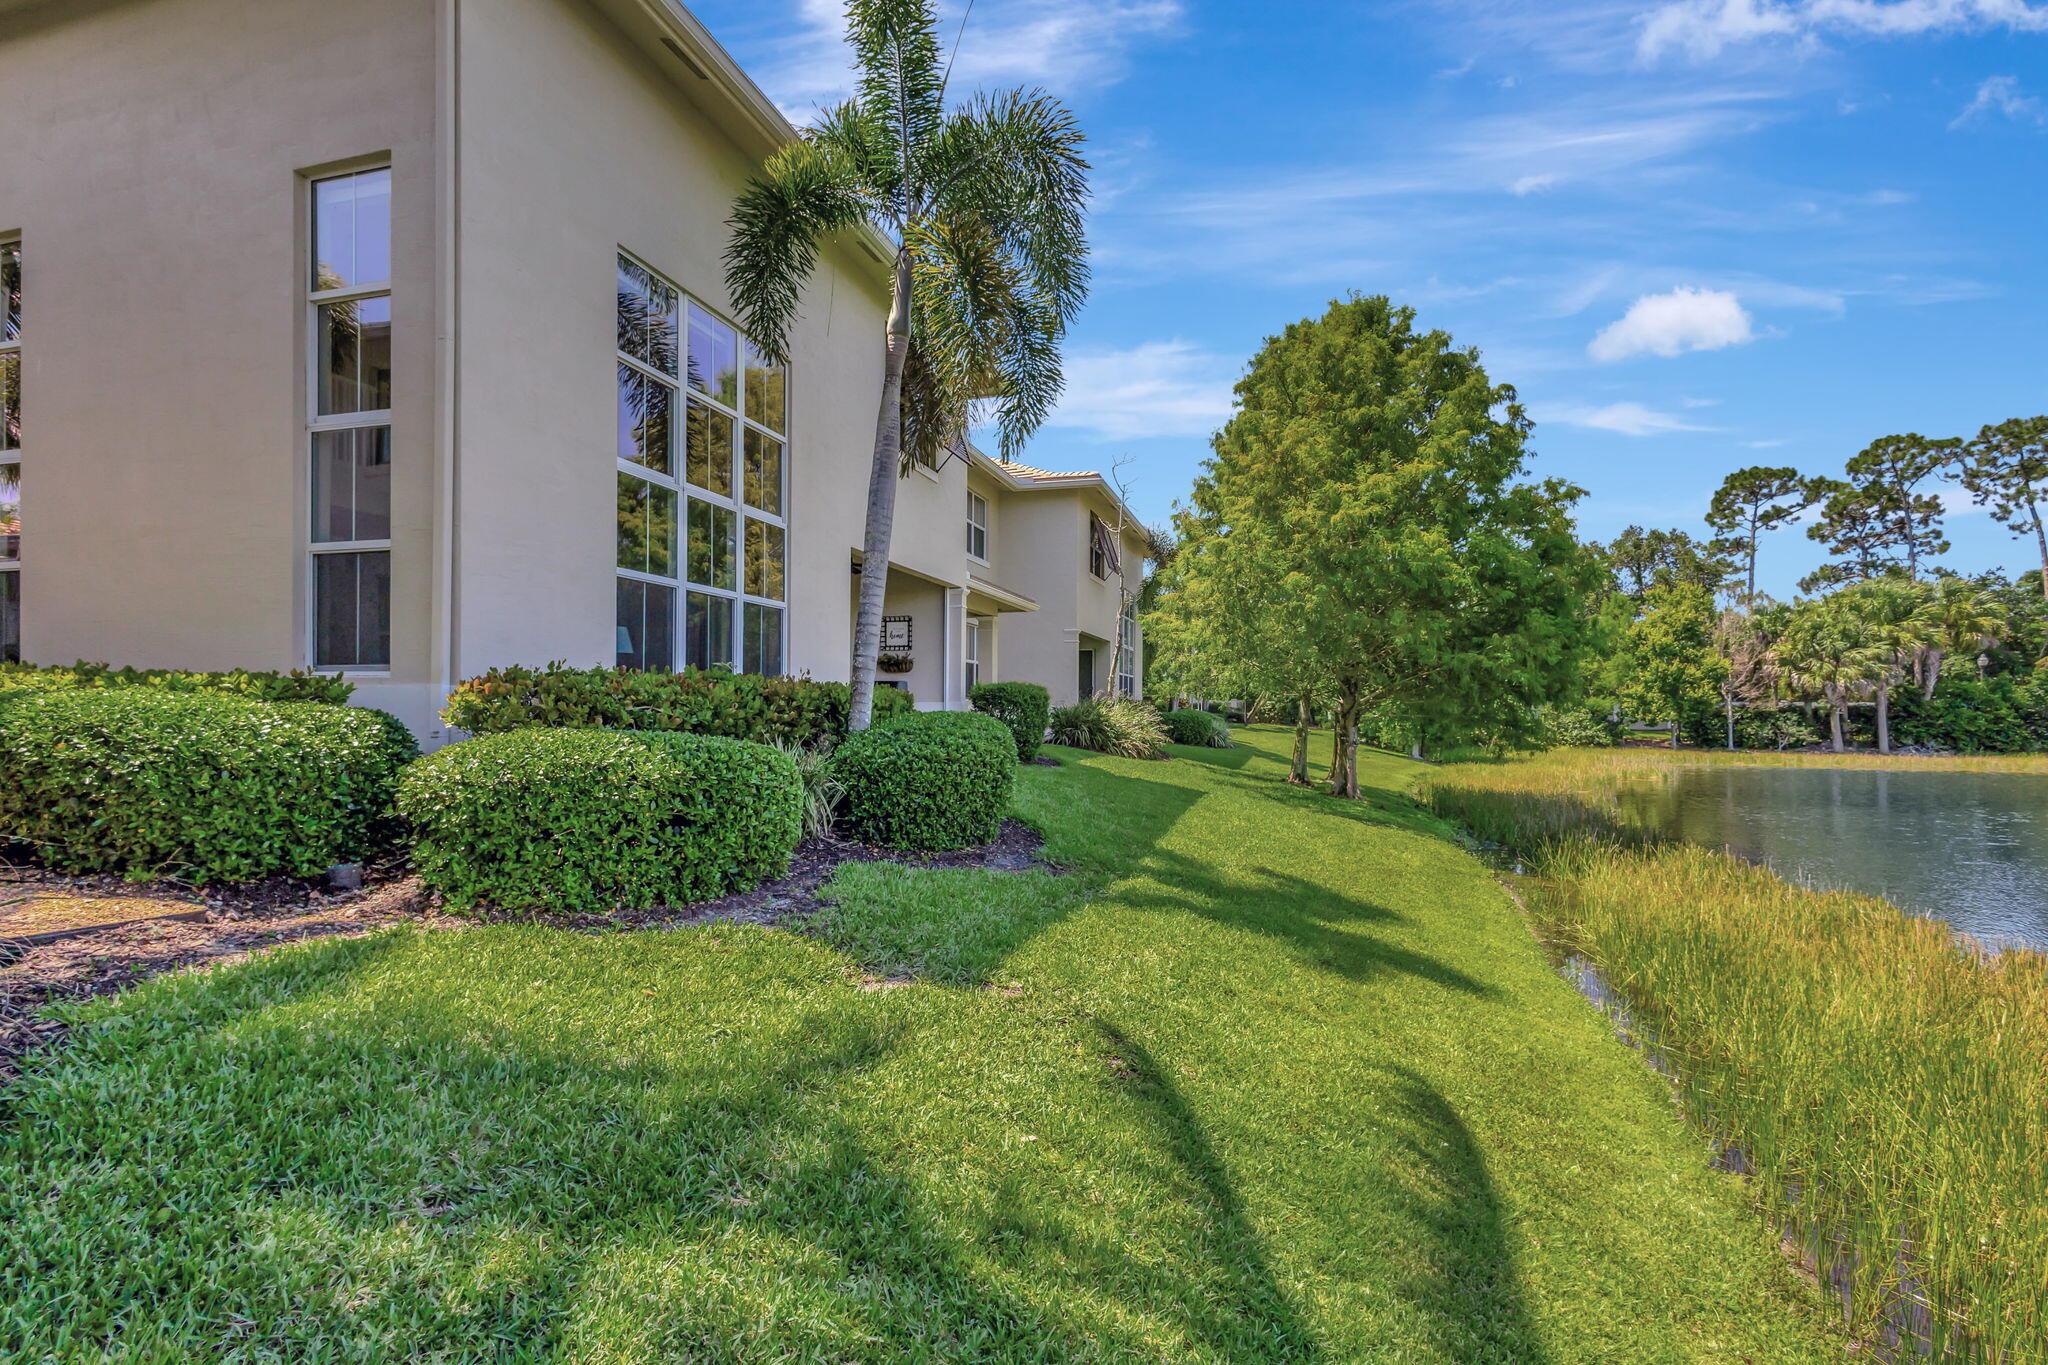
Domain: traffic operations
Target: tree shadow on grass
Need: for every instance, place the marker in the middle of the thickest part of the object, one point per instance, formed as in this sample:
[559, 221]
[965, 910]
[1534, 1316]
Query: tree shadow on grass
[1247, 1316]
[356, 1173]
[1464, 1277]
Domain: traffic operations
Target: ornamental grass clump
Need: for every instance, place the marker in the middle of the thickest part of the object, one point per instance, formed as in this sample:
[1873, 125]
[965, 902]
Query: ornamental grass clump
[933, 781]
[590, 821]
[197, 786]
[1120, 726]
[1888, 1086]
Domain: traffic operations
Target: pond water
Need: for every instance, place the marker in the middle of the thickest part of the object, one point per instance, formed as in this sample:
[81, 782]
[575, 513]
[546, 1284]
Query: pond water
[1968, 848]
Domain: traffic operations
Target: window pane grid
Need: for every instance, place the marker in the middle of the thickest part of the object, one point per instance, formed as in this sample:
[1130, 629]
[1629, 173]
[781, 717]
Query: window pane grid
[348, 421]
[729, 462]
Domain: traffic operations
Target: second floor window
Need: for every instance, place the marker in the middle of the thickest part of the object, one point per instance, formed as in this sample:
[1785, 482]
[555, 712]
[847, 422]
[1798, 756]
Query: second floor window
[977, 526]
[702, 486]
[1102, 556]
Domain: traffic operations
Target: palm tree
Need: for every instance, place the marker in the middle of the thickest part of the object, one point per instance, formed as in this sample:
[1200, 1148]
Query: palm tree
[1889, 614]
[1961, 618]
[1821, 650]
[982, 208]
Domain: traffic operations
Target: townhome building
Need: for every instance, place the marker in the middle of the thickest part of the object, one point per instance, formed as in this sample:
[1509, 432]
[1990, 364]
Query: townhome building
[323, 315]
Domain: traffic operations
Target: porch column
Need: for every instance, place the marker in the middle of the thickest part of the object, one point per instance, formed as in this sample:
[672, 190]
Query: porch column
[955, 690]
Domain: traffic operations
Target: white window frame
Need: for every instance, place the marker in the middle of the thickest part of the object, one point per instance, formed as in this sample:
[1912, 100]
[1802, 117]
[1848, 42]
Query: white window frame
[11, 564]
[980, 524]
[736, 598]
[970, 653]
[1127, 651]
[350, 421]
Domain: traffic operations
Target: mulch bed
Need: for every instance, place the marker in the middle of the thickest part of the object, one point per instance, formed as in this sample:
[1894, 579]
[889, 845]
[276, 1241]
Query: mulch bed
[233, 922]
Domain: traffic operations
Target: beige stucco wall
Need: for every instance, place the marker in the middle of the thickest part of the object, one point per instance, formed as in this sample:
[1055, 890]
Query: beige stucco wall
[574, 144]
[151, 156]
[1039, 547]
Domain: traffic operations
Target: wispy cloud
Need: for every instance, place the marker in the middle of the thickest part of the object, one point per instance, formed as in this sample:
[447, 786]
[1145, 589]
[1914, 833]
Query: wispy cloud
[1703, 29]
[1073, 44]
[1623, 419]
[1157, 388]
[2001, 95]
[1671, 324]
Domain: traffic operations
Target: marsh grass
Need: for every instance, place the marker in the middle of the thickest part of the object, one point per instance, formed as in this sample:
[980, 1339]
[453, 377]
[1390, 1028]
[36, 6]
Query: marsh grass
[1888, 1086]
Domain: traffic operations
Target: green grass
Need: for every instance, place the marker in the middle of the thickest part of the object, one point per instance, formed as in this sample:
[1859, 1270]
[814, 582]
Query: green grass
[1266, 1078]
[1889, 1088]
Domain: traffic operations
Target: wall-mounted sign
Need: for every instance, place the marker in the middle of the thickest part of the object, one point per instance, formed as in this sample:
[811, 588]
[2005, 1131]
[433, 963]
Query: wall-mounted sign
[895, 633]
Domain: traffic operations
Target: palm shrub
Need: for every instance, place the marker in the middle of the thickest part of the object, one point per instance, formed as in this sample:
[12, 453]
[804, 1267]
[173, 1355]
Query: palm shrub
[598, 820]
[1023, 707]
[982, 208]
[199, 786]
[936, 780]
[1203, 729]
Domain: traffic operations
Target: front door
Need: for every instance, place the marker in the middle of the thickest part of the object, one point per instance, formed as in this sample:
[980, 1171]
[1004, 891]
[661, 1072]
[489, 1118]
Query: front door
[1087, 674]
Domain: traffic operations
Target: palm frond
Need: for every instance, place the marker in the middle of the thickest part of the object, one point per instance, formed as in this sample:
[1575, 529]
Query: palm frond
[896, 50]
[804, 191]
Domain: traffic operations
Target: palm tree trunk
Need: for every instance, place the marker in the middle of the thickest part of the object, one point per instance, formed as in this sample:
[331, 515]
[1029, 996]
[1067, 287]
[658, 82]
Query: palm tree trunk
[882, 475]
[1884, 715]
[1933, 679]
[1834, 718]
[1728, 696]
[1297, 772]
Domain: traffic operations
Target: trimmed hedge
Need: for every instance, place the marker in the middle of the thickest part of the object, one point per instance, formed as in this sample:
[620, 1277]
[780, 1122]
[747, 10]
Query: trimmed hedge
[1199, 728]
[696, 701]
[599, 820]
[936, 780]
[294, 686]
[1023, 707]
[200, 786]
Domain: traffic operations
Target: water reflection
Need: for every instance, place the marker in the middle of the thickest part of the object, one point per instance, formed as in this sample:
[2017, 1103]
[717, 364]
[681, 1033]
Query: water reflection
[1969, 848]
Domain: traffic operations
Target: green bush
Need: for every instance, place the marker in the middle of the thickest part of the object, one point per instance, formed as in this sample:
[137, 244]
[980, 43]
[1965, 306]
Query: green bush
[199, 786]
[2003, 714]
[596, 820]
[936, 780]
[1203, 729]
[1775, 727]
[1571, 727]
[1023, 707]
[294, 686]
[696, 701]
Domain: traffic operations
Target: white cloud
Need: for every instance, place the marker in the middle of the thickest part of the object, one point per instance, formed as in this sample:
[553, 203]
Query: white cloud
[1066, 45]
[1530, 184]
[2001, 95]
[1670, 324]
[1157, 388]
[1624, 419]
[1703, 29]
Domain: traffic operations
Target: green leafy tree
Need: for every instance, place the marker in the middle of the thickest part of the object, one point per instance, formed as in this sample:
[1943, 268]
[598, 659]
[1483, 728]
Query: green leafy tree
[1674, 672]
[1364, 507]
[1641, 560]
[1749, 503]
[1880, 519]
[982, 208]
[2006, 469]
[1740, 641]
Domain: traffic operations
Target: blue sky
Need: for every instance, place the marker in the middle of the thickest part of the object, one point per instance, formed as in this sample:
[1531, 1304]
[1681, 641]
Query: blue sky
[1694, 235]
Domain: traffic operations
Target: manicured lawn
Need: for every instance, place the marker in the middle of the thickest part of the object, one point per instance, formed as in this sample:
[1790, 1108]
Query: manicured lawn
[1265, 1078]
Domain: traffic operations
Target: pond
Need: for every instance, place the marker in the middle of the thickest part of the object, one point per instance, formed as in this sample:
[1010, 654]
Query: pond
[1968, 848]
